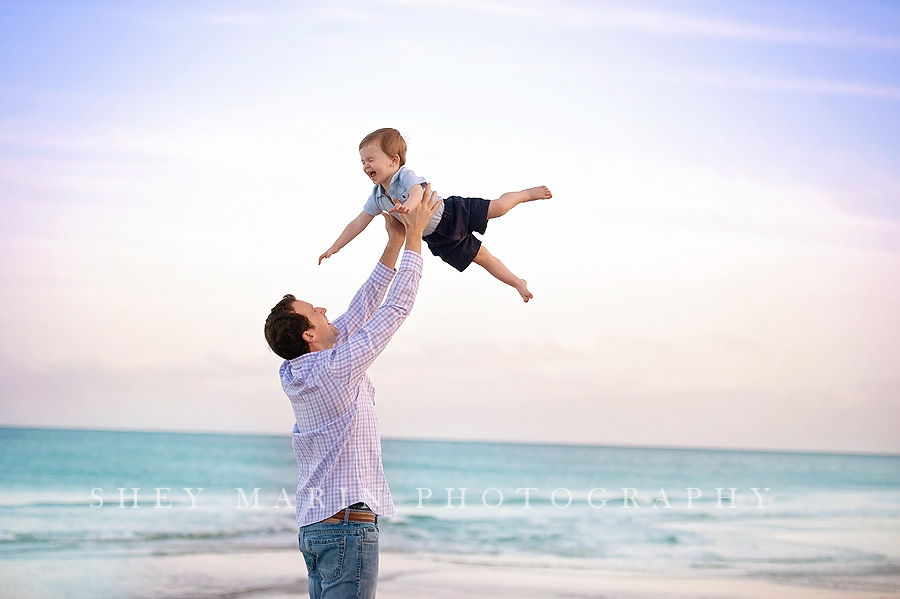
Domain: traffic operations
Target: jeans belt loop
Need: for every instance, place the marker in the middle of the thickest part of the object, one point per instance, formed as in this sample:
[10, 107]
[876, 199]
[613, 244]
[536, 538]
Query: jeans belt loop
[346, 516]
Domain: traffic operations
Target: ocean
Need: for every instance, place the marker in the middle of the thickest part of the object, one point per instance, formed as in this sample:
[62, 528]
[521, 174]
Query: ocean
[94, 514]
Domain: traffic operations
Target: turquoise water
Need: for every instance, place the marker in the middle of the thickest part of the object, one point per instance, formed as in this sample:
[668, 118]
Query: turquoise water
[61, 501]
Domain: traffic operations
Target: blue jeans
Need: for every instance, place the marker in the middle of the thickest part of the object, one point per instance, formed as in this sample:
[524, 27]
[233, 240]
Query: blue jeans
[341, 558]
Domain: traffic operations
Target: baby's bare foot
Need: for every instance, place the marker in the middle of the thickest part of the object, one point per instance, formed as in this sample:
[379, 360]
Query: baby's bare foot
[539, 193]
[522, 288]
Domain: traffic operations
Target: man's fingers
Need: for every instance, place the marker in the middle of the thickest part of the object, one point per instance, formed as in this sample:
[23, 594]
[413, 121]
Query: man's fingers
[430, 201]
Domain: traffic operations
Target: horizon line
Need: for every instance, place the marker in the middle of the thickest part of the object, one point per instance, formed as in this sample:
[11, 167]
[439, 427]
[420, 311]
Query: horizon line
[851, 453]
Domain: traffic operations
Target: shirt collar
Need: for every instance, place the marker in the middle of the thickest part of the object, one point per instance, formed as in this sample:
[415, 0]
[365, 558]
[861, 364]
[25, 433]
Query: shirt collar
[394, 178]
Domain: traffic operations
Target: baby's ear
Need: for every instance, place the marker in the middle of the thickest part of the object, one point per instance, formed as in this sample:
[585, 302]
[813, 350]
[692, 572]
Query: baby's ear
[395, 159]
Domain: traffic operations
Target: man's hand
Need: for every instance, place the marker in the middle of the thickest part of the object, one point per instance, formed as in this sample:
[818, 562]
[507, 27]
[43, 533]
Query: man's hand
[395, 229]
[398, 208]
[417, 220]
[328, 254]
[396, 233]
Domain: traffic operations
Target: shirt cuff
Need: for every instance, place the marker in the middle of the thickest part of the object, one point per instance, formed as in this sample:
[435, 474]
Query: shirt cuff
[382, 275]
[411, 261]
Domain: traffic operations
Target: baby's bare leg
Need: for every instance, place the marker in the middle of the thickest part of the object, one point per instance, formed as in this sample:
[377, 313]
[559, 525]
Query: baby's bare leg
[491, 264]
[510, 200]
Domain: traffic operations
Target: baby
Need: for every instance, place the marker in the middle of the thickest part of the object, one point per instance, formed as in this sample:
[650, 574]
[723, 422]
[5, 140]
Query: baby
[449, 234]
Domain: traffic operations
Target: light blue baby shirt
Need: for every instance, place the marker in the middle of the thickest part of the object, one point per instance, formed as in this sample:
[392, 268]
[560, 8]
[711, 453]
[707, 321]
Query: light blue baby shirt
[399, 188]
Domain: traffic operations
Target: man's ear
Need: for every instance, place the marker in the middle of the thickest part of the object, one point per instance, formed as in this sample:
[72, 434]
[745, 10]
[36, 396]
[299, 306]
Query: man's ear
[309, 336]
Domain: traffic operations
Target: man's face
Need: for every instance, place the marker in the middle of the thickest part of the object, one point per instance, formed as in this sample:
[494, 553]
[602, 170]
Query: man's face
[378, 166]
[325, 332]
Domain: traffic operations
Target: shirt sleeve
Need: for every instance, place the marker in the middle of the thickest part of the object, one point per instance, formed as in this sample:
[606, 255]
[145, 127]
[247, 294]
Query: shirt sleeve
[364, 303]
[405, 181]
[371, 206]
[351, 360]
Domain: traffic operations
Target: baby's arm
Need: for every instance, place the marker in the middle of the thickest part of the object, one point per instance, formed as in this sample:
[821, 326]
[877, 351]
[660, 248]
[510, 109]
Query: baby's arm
[356, 226]
[414, 198]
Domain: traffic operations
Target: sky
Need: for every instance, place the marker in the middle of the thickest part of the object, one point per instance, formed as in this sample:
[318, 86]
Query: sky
[719, 266]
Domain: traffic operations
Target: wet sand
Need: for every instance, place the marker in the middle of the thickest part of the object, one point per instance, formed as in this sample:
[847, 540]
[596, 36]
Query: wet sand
[281, 575]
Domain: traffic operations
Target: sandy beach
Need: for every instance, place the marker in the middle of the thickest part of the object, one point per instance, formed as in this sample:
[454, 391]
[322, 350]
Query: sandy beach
[403, 577]
[281, 574]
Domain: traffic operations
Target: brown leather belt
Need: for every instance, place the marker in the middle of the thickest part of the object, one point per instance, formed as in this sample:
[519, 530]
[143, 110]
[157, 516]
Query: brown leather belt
[355, 515]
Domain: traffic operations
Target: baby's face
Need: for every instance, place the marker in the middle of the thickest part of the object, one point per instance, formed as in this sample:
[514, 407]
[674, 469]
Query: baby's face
[378, 166]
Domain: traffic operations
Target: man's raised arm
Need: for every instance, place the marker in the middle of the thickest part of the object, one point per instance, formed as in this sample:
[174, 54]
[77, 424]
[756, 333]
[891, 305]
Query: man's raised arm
[369, 296]
[352, 358]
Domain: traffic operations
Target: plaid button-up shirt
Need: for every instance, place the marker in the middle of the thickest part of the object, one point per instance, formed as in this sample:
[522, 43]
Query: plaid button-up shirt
[335, 436]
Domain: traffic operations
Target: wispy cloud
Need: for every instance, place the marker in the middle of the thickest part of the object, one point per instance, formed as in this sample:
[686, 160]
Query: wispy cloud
[611, 18]
[719, 78]
[234, 19]
[496, 8]
[667, 23]
[812, 86]
[349, 14]
[660, 22]
[177, 19]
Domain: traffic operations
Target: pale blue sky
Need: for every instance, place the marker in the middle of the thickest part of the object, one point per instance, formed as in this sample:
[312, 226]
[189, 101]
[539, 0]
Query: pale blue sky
[720, 265]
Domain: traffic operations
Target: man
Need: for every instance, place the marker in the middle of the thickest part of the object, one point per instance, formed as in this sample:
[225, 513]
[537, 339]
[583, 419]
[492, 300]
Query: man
[342, 489]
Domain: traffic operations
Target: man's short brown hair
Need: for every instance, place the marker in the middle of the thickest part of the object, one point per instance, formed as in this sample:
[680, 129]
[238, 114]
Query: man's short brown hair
[389, 140]
[285, 328]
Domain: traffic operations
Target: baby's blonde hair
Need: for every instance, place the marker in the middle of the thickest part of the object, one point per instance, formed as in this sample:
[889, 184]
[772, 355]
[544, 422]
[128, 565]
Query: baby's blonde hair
[389, 140]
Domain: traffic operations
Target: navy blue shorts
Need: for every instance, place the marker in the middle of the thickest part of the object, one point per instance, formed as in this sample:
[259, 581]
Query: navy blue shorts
[452, 241]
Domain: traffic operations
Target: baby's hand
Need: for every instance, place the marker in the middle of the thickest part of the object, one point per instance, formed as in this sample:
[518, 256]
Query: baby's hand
[327, 254]
[398, 208]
